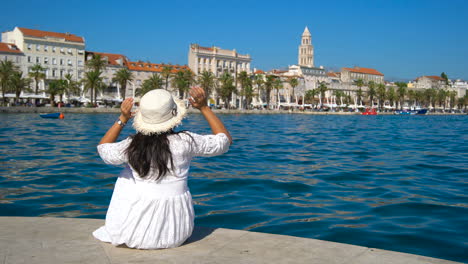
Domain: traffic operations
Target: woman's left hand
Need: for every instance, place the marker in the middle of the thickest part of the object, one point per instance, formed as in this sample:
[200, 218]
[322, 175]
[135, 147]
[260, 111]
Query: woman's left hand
[126, 109]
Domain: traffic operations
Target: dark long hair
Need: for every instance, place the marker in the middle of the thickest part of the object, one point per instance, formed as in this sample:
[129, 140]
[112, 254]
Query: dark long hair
[150, 151]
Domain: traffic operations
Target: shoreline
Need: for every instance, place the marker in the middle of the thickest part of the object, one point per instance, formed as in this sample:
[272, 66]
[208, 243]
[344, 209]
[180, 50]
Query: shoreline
[83, 110]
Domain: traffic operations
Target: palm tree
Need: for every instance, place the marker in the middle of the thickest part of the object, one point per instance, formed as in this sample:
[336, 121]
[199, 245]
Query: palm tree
[226, 88]
[154, 82]
[181, 82]
[243, 78]
[293, 82]
[269, 83]
[7, 68]
[322, 88]
[381, 93]
[92, 82]
[122, 76]
[401, 92]
[371, 92]
[391, 96]
[18, 84]
[278, 84]
[55, 87]
[441, 96]
[452, 96]
[166, 74]
[259, 82]
[71, 87]
[97, 63]
[359, 83]
[37, 74]
[207, 81]
[310, 95]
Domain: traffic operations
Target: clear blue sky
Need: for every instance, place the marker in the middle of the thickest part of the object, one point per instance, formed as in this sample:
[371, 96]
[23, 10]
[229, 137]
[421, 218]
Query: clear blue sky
[403, 39]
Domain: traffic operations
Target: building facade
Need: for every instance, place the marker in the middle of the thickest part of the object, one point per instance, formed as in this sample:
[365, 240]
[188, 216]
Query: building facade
[349, 75]
[10, 52]
[306, 50]
[217, 60]
[58, 53]
[428, 82]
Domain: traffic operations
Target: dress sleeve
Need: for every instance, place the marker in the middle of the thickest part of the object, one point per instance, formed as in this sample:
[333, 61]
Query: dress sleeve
[114, 153]
[209, 145]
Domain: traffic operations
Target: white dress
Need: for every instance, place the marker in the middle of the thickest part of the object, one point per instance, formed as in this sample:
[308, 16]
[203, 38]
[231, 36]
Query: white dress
[149, 214]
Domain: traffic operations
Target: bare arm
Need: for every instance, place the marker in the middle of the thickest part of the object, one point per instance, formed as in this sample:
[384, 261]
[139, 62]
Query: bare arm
[113, 133]
[198, 101]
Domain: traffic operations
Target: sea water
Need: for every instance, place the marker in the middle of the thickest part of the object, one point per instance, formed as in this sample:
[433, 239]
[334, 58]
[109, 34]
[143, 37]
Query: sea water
[390, 182]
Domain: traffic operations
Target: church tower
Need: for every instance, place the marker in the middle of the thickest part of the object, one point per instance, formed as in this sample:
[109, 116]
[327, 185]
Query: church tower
[306, 50]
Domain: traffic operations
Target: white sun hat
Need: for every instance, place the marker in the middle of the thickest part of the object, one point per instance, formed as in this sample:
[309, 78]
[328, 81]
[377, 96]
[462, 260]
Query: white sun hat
[159, 112]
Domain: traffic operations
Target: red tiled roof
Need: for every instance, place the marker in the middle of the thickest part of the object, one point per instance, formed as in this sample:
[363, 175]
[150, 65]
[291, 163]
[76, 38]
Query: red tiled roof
[363, 70]
[111, 58]
[42, 34]
[332, 74]
[154, 67]
[9, 48]
[259, 72]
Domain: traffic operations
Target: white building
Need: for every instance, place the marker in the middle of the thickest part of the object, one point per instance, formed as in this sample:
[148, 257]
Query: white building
[10, 52]
[460, 87]
[58, 53]
[349, 75]
[306, 50]
[428, 82]
[217, 60]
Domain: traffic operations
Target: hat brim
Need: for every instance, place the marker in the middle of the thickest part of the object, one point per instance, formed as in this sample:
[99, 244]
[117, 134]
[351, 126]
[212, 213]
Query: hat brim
[147, 128]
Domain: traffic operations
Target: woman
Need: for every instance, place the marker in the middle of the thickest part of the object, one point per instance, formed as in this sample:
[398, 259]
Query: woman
[151, 206]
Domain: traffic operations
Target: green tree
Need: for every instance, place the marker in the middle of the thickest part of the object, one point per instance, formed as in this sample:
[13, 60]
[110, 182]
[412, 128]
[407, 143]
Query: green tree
[269, 83]
[71, 86]
[401, 92]
[259, 81]
[359, 83]
[452, 95]
[96, 63]
[207, 82]
[441, 97]
[391, 95]
[181, 82]
[18, 84]
[309, 96]
[226, 88]
[37, 73]
[371, 92]
[154, 82]
[381, 93]
[7, 68]
[92, 82]
[55, 87]
[248, 92]
[445, 77]
[166, 74]
[278, 84]
[294, 83]
[122, 77]
[322, 88]
[244, 80]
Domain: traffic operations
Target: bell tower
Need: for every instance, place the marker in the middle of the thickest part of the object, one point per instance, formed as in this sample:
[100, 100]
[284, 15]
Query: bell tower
[306, 50]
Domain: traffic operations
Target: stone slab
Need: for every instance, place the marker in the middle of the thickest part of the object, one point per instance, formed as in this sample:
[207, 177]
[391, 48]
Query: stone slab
[69, 240]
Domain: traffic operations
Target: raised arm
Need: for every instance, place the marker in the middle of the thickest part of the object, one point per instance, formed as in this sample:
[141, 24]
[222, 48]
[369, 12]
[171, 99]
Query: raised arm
[114, 132]
[198, 101]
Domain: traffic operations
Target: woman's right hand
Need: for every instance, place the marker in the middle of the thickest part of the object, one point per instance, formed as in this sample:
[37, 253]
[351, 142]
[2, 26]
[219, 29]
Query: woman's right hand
[198, 99]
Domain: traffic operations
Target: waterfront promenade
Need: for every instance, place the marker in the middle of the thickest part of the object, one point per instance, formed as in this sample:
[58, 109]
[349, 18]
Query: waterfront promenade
[21, 109]
[69, 240]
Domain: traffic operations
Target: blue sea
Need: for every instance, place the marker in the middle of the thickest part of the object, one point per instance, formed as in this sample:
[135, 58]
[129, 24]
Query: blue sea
[391, 182]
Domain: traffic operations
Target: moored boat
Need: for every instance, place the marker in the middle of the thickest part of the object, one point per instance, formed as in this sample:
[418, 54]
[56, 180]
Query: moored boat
[370, 111]
[52, 115]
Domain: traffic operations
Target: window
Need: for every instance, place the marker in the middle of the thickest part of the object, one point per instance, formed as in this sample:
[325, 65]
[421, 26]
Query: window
[54, 61]
[46, 60]
[80, 52]
[62, 50]
[70, 51]
[47, 74]
[53, 49]
[29, 58]
[69, 62]
[38, 47]
[29, 46]
[53, 73]
[61, 61]
[80, 63]
[38, 60]
[61, 73]
[46, 48]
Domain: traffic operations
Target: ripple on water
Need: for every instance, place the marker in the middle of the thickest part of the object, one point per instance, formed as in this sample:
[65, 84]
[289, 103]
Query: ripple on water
[389, 182]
